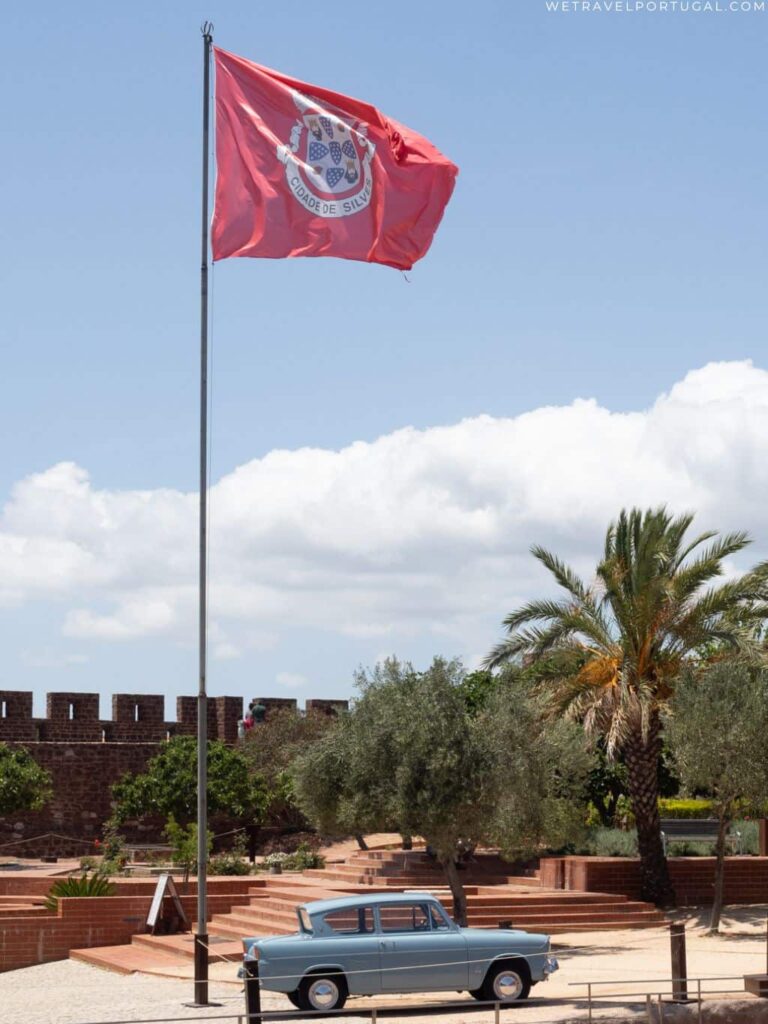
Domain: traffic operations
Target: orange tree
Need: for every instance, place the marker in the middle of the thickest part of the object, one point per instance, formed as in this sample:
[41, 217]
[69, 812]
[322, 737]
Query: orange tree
[609, 653]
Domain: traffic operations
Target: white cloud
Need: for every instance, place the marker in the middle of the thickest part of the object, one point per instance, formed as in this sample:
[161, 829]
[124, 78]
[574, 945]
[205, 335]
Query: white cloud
[419, 533]
[51, 659]
[291, 680]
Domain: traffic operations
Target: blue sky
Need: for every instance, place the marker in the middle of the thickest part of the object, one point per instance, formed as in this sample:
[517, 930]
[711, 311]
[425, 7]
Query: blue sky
[606, 237]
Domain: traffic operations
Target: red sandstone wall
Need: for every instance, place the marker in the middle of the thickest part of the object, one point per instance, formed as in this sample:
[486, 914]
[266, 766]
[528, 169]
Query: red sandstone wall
[87, 755]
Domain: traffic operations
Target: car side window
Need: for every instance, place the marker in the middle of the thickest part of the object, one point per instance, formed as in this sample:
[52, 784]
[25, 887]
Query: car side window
[438, 921]
[404, 917]
[355, 921]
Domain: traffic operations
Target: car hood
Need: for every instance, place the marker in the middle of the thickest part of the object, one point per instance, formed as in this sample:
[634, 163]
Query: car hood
[502, 938]
[259, 940]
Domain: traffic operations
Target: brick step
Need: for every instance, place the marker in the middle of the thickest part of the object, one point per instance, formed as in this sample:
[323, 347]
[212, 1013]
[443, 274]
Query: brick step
[617, 926]
[228, 930]
[279, 903]
[126, 959]
[550, 920]
[221, 948]
[25, 910]
[513, 909]
[253, 921]
[548, 899]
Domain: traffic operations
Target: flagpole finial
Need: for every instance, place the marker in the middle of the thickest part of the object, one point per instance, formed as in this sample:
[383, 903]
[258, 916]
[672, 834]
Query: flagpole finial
[207, 29]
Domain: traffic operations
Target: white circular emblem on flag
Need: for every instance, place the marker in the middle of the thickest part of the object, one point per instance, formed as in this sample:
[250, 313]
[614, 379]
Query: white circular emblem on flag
[328, 161]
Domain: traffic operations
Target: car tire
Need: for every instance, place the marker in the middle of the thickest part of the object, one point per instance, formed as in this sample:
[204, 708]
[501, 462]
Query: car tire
[323, 991]
[293, 998]
[507, 982]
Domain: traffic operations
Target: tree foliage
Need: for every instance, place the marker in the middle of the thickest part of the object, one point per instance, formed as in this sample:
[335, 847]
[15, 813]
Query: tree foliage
[168, 787]
[411, 757]
[24, 784]
[717, 731]
[271, 747]
[610, 653]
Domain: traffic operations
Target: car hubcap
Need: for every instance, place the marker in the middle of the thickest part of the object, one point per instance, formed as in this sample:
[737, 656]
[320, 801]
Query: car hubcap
[323, 994]
[507, 985]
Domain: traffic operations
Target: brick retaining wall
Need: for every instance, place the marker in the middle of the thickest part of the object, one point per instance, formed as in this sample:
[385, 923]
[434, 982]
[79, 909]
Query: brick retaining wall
[746, 878]
[81, 923]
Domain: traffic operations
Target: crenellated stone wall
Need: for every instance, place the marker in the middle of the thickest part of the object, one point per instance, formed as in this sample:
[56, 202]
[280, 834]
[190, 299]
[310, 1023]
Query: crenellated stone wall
[86, 755]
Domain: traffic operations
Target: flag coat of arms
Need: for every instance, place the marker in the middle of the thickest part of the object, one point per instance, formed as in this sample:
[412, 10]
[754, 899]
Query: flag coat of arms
[304, 171]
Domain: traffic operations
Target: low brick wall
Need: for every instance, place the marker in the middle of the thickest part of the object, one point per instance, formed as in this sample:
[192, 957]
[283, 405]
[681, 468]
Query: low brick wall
[746, 878]
[98, 921]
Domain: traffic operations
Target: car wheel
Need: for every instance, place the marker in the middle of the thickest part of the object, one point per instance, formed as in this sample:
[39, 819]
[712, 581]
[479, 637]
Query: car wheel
[322, 992]
[293, 997]
[477, 993]
[507, 982]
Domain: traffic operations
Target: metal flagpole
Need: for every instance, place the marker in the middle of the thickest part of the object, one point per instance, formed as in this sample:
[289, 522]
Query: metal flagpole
[201, 938]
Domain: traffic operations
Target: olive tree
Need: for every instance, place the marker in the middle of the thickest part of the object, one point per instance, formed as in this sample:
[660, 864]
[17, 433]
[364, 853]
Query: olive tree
[716, 729]
[271, 747]
[412, 757]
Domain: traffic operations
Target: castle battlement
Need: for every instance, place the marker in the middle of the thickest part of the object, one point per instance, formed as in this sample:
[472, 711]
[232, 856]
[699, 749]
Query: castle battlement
[136, 717]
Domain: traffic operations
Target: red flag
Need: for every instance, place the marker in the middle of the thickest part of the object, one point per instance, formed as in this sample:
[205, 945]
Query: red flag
[303, 171]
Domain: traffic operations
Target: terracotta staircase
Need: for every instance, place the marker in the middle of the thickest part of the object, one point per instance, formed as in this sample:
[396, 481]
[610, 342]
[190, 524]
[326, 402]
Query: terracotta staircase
[402, 869]
[493, 897]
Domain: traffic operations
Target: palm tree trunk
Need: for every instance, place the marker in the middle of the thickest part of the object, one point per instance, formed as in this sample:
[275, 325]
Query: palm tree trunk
[717, 902]
[457, 890]
[642, 759]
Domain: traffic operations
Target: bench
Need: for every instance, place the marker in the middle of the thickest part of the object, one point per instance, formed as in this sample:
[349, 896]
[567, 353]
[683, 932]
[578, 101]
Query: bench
[695, 830]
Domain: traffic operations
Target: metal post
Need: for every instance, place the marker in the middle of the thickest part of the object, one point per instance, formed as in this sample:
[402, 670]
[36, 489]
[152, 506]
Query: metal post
[201, 938]
[589, 1001]
[648, 1010]
[698, 983]
[497, 1013]
[252, 992]
[679, 966]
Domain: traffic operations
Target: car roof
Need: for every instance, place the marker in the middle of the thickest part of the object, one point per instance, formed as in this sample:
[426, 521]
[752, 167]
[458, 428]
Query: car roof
[350, 902]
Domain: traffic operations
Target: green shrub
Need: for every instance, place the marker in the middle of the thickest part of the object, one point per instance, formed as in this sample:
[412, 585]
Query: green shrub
[229, 864]
[86, 885]
[682, 848]
[612, 842]
[677, 808]
[303, 859]
[750, 837]
[232, 862]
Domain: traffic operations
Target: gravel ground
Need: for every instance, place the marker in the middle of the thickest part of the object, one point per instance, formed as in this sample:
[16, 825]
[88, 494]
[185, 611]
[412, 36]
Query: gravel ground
[68, 992]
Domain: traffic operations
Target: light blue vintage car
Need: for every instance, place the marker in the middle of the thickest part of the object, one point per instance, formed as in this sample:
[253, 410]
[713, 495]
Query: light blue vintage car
[395, 942]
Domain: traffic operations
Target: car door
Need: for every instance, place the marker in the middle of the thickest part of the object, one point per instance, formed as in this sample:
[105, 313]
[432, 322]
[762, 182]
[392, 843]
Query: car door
[421, 951]
[352, 943]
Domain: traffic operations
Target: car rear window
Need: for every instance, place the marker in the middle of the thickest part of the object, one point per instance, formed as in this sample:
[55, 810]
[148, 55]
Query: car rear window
[355, 921]
[404, 917]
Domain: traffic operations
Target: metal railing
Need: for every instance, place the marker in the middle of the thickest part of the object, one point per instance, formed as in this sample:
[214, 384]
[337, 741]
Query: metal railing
[654, 1002]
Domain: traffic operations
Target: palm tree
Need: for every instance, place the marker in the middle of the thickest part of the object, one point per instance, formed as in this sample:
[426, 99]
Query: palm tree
[609, 653]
